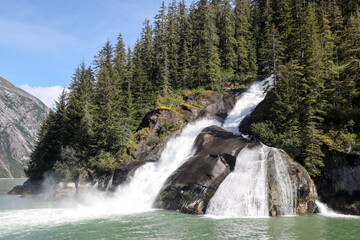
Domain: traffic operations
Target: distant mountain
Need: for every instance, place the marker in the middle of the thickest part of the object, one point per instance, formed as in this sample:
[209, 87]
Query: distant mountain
[21, 115]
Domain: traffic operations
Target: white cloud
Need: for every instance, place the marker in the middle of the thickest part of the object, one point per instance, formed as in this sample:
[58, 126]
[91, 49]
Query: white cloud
[47, 95]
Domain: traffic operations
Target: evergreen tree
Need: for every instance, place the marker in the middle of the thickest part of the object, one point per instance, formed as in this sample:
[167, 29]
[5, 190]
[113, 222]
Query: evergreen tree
[142, 89]
[161, 49]
[206, 59]
[147, 50]
[172, 41]
[106, 111]
[184, 54]
[79, 111]
[226, 32]
[313, 89]
[272, 52]
[243, 38]
[52, 136]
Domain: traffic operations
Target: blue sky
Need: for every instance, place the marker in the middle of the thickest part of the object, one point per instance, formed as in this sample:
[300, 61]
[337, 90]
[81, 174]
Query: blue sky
[43, 41]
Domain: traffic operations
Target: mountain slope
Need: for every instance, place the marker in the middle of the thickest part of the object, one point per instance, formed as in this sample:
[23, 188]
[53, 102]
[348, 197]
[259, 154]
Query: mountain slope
[20, 117]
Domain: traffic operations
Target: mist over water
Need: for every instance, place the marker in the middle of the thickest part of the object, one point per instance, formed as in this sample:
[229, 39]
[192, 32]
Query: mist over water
[134, 197]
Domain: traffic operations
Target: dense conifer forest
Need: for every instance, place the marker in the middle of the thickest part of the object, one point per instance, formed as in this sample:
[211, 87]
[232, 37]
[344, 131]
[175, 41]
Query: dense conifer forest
[311, 47]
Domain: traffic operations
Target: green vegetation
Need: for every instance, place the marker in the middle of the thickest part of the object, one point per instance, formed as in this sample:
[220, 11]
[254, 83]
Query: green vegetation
[311, 47]
[316, 97]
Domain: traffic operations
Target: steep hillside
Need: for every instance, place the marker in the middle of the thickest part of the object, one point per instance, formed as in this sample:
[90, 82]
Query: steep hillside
[20, 117]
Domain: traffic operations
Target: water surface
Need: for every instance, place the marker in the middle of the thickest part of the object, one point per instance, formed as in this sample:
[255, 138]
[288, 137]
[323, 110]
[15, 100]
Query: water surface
[36, 218]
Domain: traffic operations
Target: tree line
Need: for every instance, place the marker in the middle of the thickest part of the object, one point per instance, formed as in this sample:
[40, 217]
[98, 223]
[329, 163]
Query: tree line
[311, 47]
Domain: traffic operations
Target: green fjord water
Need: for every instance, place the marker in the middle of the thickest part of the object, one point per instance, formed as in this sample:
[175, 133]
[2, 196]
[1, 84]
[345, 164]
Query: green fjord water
[35, 218]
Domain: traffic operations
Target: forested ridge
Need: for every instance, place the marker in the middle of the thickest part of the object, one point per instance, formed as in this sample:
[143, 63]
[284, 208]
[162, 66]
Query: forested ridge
[311, 47]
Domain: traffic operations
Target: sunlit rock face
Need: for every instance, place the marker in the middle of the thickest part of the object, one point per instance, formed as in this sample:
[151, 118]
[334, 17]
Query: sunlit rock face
[21, 115]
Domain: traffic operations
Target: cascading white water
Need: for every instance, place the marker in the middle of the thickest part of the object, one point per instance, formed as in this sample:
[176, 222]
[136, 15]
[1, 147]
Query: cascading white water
[287, 203]
[244, 192]
[246, 104]
[143, 187]
[324, 210]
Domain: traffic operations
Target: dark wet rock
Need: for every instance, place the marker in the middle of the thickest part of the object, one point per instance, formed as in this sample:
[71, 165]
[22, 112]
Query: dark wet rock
[258, 115]
[30, 187]
[17, 190]
[339, 185]
[190, 188]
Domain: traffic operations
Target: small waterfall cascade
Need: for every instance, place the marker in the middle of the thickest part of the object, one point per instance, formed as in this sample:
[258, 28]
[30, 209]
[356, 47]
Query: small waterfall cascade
[285, 188]
[142, 189]
[260, 177]
[324, 210]
[244, 192]
[246, 104]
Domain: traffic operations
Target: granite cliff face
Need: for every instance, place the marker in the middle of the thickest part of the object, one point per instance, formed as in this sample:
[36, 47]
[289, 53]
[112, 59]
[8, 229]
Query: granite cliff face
[21, 115]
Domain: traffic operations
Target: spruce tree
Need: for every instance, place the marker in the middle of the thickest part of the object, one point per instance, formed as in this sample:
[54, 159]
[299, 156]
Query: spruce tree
[185, 43]
[206, 61]
[243, 38]
[226, 32]
[313, 89]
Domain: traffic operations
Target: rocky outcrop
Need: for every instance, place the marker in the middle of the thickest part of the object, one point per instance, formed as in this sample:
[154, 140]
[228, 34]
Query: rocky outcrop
[191, 187]
[339, 185]
[21, 115]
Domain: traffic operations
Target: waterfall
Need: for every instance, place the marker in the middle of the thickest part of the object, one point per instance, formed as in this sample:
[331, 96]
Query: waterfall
[142, 189]
[324, 210]
[244, 192]
[286, 203]
[246, 104]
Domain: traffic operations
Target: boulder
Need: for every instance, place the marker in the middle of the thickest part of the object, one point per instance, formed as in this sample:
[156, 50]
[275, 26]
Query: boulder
[339, 185]
[30, 187]
[190, 188]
